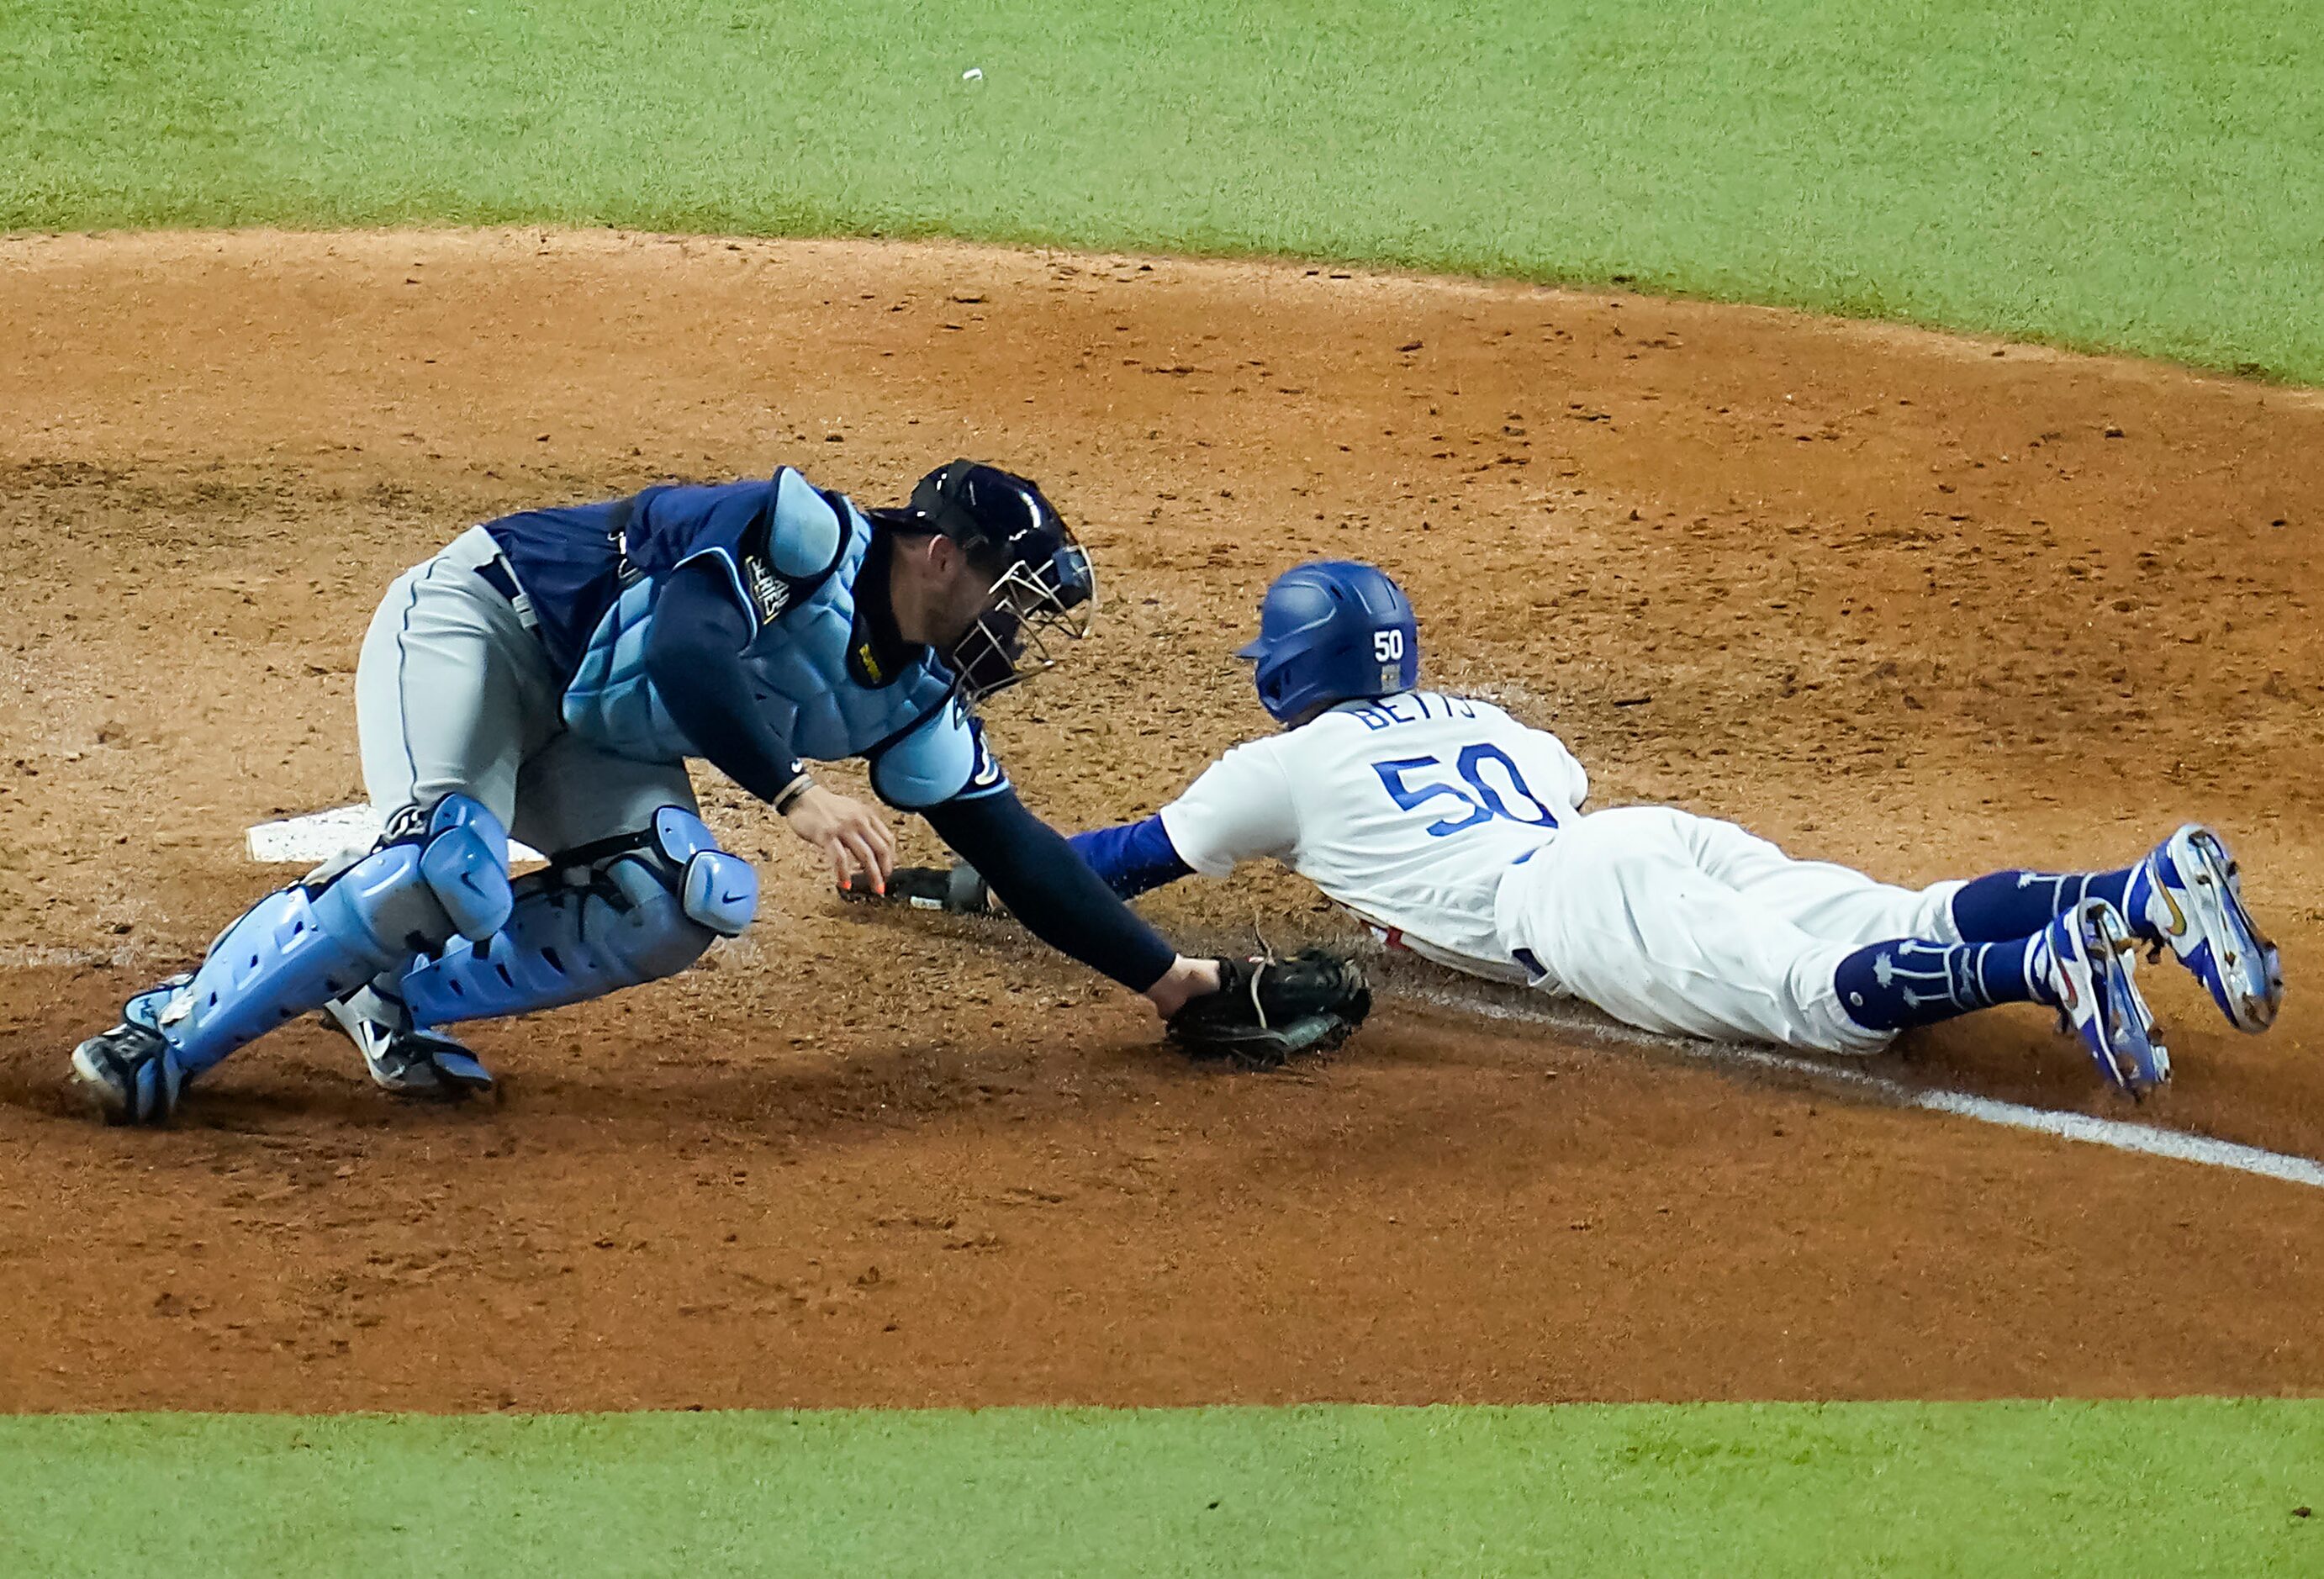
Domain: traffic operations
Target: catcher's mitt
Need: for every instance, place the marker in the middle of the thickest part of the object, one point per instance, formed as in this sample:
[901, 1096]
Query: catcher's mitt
[1267, 1011]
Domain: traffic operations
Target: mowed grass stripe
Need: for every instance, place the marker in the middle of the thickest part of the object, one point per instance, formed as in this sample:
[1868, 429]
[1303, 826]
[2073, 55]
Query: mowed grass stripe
[2177, 1487]
[2140, 174]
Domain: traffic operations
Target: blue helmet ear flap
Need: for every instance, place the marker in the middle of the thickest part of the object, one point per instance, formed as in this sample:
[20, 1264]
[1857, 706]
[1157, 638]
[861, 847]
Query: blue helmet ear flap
[1332, 631]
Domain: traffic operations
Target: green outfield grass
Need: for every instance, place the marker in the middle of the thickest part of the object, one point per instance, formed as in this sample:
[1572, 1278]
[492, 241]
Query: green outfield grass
[2146, 175]
[2164, 1488]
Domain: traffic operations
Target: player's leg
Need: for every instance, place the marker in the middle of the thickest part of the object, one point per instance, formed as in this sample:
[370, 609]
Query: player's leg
[1911, 966]
[1620, 911]
[2186, 894]
[635, 889]
[432, 876]
[1955, 947]
[438, 721]
[2081, 964]
[452, 693]
[1821, 897]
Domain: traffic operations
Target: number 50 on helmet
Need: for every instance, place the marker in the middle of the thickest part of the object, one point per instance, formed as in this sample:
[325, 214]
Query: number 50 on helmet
[1332, 631]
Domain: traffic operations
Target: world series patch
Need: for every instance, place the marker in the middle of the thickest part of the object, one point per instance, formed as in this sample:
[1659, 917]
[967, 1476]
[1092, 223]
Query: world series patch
[772, 593]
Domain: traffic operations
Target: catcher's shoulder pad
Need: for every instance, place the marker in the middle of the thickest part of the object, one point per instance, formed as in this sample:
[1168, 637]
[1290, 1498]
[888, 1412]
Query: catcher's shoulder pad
[1268, 1009]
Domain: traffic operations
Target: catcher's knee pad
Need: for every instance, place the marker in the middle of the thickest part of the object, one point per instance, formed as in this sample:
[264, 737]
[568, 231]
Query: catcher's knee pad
[433, 877]
[607, 916]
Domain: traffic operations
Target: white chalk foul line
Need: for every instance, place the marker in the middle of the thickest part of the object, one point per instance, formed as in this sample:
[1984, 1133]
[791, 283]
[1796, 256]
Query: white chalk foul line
[2143, 1140]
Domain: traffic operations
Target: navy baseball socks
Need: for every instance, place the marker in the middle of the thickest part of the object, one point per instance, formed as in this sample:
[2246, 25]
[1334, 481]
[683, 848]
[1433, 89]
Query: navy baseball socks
[2067, 941]
[2186, 895]
[2080, 964]
[2006, 905]
[1895, 985]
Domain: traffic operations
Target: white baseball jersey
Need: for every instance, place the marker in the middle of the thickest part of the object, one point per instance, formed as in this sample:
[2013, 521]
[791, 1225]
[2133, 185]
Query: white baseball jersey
[1408, 810]
[1456, 831]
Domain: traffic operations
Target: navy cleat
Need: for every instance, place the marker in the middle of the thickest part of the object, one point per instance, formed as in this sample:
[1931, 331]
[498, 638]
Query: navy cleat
[404, 1058]
[2088, 954]
[2195, 904]
[130, 1075]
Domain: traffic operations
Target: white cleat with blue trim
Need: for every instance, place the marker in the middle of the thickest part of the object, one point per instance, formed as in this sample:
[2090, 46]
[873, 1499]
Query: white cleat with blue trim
[2194, 902]
[2088, 955]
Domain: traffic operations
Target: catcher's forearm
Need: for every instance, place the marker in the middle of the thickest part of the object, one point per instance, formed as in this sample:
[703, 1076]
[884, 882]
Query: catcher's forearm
[1050, 889]
[1133, 857]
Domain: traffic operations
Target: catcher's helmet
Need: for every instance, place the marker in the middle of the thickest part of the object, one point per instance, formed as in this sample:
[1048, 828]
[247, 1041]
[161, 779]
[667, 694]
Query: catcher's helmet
[1042, 583]
[1331, 631]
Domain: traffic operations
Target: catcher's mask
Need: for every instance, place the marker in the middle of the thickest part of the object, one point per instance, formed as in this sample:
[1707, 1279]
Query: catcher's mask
[1043, 590]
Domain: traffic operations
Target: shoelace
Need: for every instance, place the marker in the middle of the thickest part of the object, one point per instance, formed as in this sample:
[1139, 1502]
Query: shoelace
[1259, 962]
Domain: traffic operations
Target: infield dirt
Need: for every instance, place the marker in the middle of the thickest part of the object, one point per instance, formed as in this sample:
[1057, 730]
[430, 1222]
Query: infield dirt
[1927, 605]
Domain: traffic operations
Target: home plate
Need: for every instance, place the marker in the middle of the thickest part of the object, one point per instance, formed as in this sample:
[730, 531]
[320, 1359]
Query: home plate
[323, 835]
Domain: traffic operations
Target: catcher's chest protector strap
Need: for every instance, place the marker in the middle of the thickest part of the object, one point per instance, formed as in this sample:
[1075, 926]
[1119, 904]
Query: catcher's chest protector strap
[614, 915]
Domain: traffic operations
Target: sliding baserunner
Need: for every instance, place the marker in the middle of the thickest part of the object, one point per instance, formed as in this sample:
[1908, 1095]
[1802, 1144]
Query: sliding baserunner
[1457, 832]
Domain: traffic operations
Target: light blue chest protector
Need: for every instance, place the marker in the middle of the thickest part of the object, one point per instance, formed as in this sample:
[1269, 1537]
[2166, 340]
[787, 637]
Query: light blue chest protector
[923, 751]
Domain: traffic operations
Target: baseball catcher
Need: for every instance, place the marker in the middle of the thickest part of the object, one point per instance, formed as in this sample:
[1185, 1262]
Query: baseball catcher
[548, 674]
[1456, 832]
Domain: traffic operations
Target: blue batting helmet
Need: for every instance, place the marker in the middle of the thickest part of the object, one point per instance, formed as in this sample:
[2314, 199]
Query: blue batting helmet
[1330, 630]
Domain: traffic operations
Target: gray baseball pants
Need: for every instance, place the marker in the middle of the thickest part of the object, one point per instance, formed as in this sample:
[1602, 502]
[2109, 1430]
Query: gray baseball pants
[454, 694]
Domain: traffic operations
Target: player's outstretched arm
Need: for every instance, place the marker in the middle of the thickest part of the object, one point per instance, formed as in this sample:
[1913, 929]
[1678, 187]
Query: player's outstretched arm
[1052, 890]
[1132, 857]
[1239, 810]
[1252, 1012]
[1129, 859]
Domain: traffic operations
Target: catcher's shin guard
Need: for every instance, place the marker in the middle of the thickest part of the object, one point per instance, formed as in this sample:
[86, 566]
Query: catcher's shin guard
[432, 876]
[599, 919]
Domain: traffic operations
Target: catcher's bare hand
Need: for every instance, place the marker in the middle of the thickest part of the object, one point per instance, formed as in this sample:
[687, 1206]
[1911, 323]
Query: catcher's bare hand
[855, 837]
[1267, 1011]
